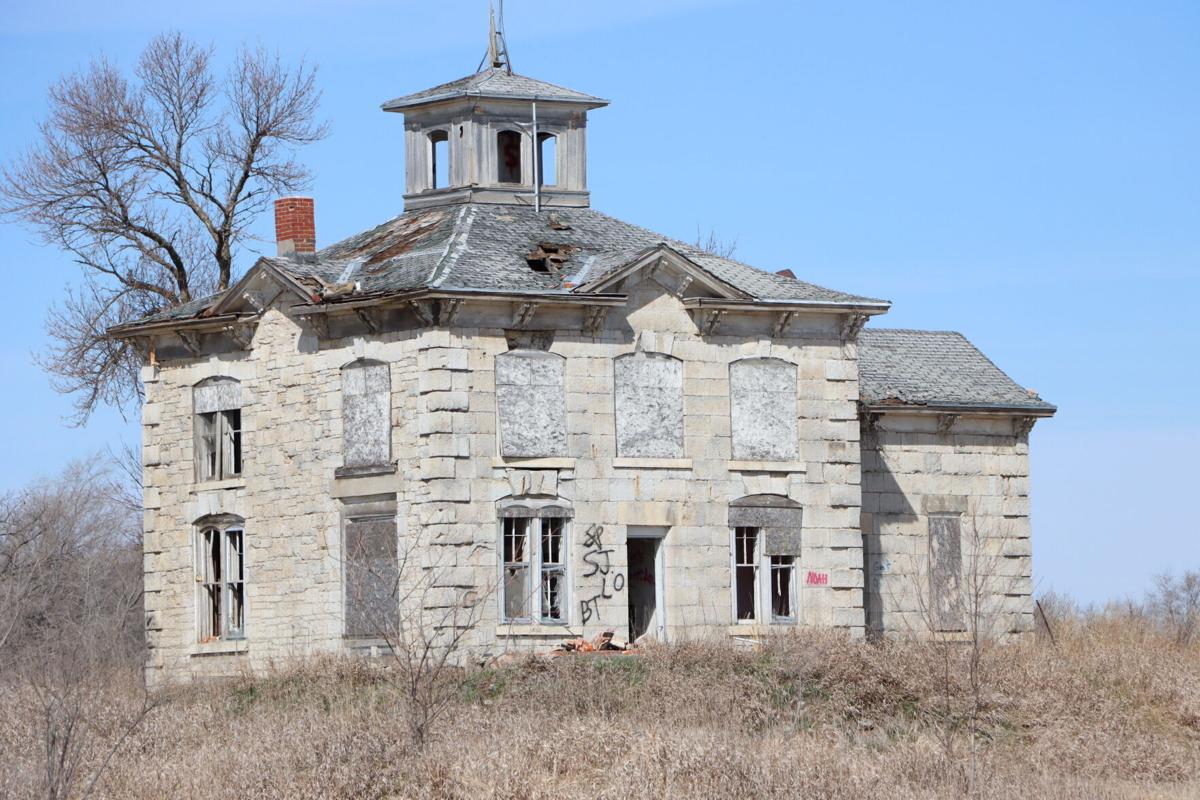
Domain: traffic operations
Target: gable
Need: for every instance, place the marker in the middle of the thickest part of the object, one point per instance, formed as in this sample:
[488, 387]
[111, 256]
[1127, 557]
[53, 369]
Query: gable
[669, 268]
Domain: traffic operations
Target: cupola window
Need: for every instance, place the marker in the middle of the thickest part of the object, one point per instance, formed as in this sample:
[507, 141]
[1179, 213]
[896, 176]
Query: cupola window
[508, 156]
[547, 159]
[439, 154]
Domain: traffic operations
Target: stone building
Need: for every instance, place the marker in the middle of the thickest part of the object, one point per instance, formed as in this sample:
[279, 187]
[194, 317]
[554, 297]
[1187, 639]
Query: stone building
[557, 423]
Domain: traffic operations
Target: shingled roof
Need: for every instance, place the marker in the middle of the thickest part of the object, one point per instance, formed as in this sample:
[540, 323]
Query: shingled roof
[935, 369]
[487, 247]
[498, 83]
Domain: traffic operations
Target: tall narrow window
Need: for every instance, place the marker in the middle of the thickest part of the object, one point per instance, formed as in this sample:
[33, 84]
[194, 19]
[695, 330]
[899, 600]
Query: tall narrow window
[534, 563]
[217, 424]
[221, 581]
[516, 568]
[547, 159]
[945, 572]
[745, 566]
[783, 582]
[366, 414]
[508, 157]
[766, 554]
[649, 405]
[439, 154]
[372, 575]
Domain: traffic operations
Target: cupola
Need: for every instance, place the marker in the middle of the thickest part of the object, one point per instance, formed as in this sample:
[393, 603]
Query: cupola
[495, 137]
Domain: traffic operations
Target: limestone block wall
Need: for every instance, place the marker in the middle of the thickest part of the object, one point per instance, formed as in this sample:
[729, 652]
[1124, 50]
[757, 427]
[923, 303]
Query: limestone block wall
[450, 474]
[978, 468]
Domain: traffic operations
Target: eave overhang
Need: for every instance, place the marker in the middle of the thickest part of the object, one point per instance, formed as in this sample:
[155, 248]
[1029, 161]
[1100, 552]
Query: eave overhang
[973, 409]
[817, 306]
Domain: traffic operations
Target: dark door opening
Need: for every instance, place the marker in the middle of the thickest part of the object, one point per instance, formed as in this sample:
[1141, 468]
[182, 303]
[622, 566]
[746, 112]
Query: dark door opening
[645, 616]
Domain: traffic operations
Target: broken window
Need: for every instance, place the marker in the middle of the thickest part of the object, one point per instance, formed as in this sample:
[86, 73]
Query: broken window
[547, 159]
[745, 567]
[221, 582]
[649, 405]
[439, 155]
[217, 426]
[372, 575]
[763, 415]
[766, 543]
[366, 414]
[531, 404]
[534, 564]
[508, 157]
[945, 572]
[783, 581]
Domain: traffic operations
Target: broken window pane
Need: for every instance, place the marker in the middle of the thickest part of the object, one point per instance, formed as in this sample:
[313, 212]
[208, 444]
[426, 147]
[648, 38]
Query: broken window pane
[553, 569]
[516, 568]
[231, 442]
[508, 157]
[218, 428]
[745, 544]
[372, 574]
[783, 571]
[945, 572]
[234, 584]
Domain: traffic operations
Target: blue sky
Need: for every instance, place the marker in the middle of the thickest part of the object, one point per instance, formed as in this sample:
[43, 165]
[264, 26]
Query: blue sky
[1027, 173]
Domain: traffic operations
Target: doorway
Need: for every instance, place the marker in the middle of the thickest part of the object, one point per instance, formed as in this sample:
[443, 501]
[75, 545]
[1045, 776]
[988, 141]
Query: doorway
[647, 608]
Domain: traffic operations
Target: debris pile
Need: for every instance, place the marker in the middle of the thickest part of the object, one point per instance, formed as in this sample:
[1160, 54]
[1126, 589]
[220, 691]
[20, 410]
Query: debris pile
[602, 643]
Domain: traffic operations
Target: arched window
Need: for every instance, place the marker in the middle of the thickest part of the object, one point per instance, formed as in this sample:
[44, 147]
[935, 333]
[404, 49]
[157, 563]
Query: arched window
[439, 158]
[366, 414]
[217, 428]
[533, 560]
[765, 531]
[649, 405]
[762, 406]
[508, 157]
[220, 558]
[547, 159]
[531, 404]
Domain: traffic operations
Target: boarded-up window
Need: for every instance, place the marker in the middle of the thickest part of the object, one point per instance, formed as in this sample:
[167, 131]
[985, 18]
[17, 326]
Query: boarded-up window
[762, 395]
[649, 406]
[366, 414]
[217, 427]
[531, 403]
[372, 574]
[945, 572]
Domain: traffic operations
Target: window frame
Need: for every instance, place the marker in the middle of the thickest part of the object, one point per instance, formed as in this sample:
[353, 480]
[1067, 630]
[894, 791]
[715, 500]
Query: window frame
[737, 563]
[512, 136]
[537, 569]
[226, 532]
[787, 564]
[360, 512]
[218, 431]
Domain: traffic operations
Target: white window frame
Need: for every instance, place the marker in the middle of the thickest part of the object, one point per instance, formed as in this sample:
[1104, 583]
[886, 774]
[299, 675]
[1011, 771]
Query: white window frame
[222, 459]
[793, 593]
[764, 609]
[536, 568]
[228, 534]
[756, 563]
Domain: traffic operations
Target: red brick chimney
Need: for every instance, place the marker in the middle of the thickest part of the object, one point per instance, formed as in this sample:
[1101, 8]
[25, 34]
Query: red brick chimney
[295, 225]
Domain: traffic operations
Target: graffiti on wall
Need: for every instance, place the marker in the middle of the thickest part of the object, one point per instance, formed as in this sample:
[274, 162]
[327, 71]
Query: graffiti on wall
[598, 559]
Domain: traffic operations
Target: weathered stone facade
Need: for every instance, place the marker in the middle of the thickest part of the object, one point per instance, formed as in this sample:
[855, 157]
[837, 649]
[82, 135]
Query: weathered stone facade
[571, 424]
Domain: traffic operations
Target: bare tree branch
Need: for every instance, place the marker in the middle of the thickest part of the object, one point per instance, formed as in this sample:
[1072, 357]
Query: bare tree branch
[150, 186]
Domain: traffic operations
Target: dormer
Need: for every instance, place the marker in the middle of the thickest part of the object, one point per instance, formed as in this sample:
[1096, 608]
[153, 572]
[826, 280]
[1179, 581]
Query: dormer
[495, 137]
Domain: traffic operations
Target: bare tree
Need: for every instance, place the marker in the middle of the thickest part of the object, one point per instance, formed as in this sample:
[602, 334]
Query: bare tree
[711, 243]
[1175, 603]
[410, 603]
[150, 184]
[70, 599]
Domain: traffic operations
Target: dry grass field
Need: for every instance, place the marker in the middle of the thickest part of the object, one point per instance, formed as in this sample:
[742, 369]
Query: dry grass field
[1111, 709]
